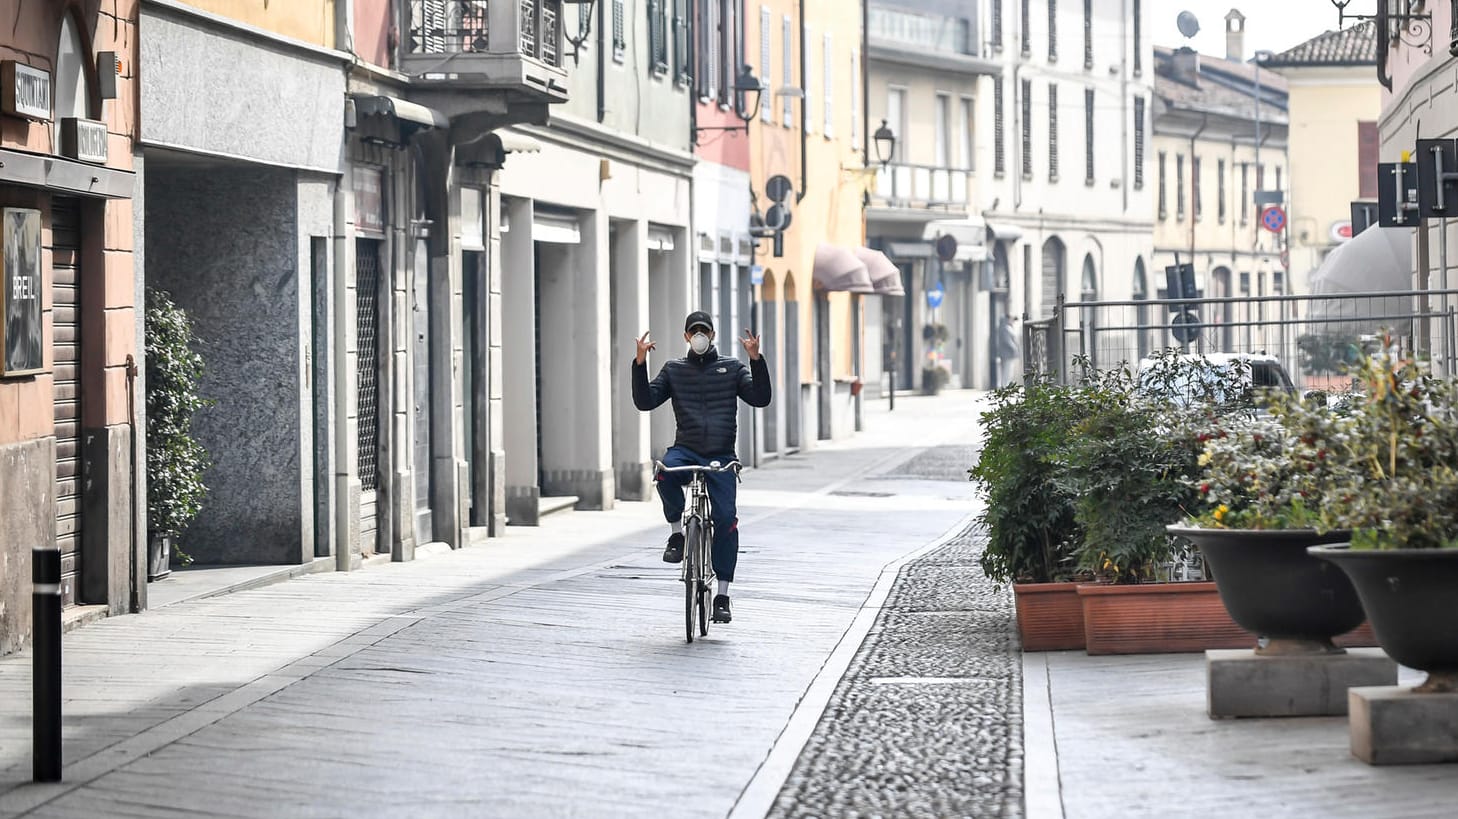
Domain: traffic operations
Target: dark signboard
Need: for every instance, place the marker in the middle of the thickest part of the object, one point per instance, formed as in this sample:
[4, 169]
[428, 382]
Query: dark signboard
[20, 252]
[1437, 172]
[1397, 194]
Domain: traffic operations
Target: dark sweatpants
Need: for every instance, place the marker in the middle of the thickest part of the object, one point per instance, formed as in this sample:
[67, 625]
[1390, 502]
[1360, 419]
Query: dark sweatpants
[723, 487]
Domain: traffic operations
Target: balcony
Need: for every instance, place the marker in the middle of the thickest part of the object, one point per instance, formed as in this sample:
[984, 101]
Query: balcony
[509, 46]
[923, 186]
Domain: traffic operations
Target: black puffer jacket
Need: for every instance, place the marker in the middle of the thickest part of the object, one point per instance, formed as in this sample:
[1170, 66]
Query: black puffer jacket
[704, 389]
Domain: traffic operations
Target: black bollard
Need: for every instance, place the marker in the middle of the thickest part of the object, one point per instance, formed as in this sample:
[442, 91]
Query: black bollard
[46, 663]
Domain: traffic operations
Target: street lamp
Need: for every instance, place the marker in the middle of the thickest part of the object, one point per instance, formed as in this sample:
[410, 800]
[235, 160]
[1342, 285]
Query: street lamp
[584, 26]
[745, 85]
[1414, 30]
[885, 144]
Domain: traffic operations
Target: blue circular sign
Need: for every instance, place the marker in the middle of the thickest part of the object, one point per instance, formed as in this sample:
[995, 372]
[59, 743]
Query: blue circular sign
[934, 297]
[1273, 219]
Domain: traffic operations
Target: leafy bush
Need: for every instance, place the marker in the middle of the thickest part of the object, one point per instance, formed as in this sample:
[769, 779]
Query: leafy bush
[1323, 354]
[175, 460]
[1032, 534]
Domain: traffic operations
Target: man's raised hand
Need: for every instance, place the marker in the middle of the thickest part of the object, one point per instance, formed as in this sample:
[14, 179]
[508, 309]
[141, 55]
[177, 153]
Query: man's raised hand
[644, 347]
[751, 345]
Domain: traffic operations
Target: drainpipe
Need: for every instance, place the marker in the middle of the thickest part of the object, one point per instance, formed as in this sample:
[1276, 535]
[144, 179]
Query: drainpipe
[602, 47]
[1195, 181]
[804, 110]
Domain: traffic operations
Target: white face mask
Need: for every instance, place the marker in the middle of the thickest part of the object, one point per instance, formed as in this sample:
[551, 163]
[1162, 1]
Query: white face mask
[699, 343]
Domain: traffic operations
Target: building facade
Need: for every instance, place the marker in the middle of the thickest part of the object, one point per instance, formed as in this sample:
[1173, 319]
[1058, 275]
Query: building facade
[1067, 218]
[1215, 162]
[69, 380]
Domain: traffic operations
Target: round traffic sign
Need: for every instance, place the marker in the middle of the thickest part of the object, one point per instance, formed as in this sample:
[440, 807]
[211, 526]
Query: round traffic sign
[1186, 326]
[946, 246]
[934, 297]
[1273, 218]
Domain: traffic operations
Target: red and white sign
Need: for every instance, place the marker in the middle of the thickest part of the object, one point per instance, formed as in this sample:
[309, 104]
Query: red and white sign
[1273, 218]
[1341, 231]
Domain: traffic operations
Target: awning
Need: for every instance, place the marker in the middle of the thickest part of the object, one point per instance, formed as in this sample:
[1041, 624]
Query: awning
[885, 275]
[838, 269]
[1003, 232]
[660, 239]
[555, 228]
[970, 233]
[514, 143]
[1377, 261]
[403, 110]
[61, 174]
[910, 250]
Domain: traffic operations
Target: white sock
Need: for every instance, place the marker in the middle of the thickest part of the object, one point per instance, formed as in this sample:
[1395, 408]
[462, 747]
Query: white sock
[676, 526]
[724, 587]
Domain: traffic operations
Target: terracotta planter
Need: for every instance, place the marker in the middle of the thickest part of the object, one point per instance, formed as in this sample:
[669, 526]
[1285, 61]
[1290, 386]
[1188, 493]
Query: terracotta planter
[1158, 618]
[1050, 616]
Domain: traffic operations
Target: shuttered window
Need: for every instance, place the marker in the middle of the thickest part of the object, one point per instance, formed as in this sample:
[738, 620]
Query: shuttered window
[1088, 135]
[1052, 132]
[1163, 190]
[1052, 31]
[1138, 31]
[1220, 190]
[1027, 106]
[1139, 146]
[787, 110]
[1195, 198]
[1088, 33]
[766, 81]
[856, 97]
[997, 25]
[999, 147]
[658, 35]
[1367, 145]
[683, 68]
[1179, 186]
[620, 39]
[828, 93]
[1027, 31]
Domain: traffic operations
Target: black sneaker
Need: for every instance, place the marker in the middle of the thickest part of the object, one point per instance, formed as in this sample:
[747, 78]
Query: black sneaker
[673, 553]
[721, 609]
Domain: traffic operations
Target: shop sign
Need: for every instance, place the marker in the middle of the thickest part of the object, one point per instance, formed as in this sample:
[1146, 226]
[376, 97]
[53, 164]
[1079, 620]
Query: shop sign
[25, 91]
[20, 295]
[84, 140]
[369, 201]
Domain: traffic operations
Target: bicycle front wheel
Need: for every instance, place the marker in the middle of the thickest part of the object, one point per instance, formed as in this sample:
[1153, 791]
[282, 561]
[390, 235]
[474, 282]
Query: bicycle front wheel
[693, 533]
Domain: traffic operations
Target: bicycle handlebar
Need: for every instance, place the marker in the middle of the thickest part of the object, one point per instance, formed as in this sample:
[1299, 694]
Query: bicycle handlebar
[714, 466]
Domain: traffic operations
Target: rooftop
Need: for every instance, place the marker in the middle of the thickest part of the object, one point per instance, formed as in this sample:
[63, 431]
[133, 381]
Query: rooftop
[1217, 86]
[1356, 45]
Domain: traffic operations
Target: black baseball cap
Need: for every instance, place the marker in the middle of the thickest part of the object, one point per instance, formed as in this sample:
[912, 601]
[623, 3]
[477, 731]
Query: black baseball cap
[697, 318]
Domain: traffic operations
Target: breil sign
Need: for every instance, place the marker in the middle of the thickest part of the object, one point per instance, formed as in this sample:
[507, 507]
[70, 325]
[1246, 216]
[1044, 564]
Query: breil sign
[25, 91]
[84, 140]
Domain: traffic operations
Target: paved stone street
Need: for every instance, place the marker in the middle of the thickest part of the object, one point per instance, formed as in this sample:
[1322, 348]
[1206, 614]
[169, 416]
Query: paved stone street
[541, 674]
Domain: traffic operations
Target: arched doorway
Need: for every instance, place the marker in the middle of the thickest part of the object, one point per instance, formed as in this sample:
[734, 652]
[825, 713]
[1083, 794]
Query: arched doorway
[1088, 293]
[770, 346]
[1054, 265]
[1223, 313]
[791, 392]
[998, 310]
[1141, 312]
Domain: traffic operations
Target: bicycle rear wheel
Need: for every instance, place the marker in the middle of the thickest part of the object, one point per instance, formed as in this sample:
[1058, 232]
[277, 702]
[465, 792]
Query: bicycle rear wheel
[706, 581]
[693, 534]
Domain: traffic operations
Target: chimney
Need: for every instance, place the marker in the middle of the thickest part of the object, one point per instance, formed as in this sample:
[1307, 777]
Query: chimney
[1235, 36]
[1185, 66]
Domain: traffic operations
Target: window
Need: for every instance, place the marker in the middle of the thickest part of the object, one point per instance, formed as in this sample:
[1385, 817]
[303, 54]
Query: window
[1088, 33]
[1179, 186]
[942, 136]
[829, 91]
[683, 68]
[620, 41]
[997, 25]
[1027, 106]
[1367, 145]
[1052, 132]
[1260, 177]
[1220, 190]
[966, 124]
[1088, 136]
[1278, 283]
[1052, 31]
[730, 56]
[1163, 201]
[806, 121]
[999, 146]
[1244, 192]
[1027, 31]
[658, 35]
[766, 82]
[787, 109]
[896, 118]
[1195, 186]
[1139, 146]
[1278, 178]
[709, 56]
[1245, 283]
[1138, 49]
[856, 98]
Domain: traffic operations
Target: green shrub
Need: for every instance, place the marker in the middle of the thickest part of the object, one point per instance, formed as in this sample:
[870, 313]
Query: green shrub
[175, 460]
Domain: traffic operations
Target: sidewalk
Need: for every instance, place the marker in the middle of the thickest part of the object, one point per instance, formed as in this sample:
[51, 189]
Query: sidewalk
[544, 673]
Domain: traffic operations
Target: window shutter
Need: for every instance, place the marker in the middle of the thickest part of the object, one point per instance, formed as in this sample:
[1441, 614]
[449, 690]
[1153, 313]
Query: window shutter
[657, 47]
[807, 121]
[1163, 201]
[766, 81]
[1220, 190]
[1244, 192]
[620, 41]
[1052, 31]
[1088, 33]
[1088, 135]
[1138, 48]
[1052, 132]
[1027, 32]
[1367, 145]
[997, 25]
[855, 133]
[1195, 198]
[1139, 147]
[829, 92]
[1027, 107]
[788, 105]
[683, 69]
[1179, 186]
[999, 148]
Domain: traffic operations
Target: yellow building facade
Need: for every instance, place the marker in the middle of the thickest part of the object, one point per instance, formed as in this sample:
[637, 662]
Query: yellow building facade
[311, 21]
[810, 130]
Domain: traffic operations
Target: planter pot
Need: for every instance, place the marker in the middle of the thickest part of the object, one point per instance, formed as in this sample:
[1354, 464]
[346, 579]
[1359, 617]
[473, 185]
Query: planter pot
[1271, 587]
[159, 557]
[1050, 616]
[1157, 618]
[1410, 596]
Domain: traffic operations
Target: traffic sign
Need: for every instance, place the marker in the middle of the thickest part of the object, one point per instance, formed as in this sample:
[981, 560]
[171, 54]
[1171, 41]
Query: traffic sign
[1437, 160]
[756, 274]
[1397, 193]
[1273, 218]
[934, 296]
[1186, 327]
[946, 246]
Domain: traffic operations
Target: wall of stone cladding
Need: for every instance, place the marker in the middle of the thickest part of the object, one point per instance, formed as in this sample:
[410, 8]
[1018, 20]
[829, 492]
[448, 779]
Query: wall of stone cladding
[28, 496]
[224, 240]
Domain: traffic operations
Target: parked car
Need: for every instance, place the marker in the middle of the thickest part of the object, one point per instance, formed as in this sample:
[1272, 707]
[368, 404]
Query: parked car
[1209, 377]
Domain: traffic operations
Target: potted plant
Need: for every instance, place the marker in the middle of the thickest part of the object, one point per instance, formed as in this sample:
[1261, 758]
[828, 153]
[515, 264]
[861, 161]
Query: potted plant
[1259, 518]
[1399, 435]
[1028, 510]
[175, 460]
[1129, 465]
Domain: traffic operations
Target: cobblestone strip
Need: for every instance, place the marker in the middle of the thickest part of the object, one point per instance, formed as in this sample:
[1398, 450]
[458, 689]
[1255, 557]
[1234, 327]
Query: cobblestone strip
[927, 721]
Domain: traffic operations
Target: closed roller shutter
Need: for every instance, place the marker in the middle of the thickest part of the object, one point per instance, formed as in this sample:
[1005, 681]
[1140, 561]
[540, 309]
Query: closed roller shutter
[66, 315]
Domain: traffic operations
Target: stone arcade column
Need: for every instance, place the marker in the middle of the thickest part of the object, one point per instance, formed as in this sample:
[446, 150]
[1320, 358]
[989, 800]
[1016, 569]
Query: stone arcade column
[631, 428]
[518, 364]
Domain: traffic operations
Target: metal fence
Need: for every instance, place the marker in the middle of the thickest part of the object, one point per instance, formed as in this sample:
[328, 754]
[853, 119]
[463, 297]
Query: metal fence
[1314, 337]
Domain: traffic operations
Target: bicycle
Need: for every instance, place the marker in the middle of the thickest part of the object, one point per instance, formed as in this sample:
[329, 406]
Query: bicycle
[698, 536]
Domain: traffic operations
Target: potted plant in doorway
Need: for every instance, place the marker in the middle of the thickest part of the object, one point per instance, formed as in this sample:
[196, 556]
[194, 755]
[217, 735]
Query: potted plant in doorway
[175, 459]
[1028, 510]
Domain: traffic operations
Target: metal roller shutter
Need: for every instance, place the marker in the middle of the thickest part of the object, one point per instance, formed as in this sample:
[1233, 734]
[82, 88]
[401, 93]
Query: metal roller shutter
[66, 315]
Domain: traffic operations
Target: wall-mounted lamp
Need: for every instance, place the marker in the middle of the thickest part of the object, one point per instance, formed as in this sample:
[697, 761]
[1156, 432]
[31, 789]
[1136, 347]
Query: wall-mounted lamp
[584, 26]
[885, 144]
[1413, 30]
[747, 91]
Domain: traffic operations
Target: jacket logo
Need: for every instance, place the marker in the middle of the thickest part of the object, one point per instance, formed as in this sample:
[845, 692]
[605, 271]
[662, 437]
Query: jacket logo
[723, 369]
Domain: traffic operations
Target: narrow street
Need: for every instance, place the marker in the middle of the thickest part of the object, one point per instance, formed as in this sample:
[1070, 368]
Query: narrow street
[544, 674]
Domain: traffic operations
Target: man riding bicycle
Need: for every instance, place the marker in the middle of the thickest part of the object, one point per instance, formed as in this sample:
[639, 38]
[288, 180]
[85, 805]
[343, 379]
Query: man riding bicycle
[704, 388]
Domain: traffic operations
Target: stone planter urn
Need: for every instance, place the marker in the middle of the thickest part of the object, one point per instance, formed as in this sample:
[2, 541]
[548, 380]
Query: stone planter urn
[159, 556]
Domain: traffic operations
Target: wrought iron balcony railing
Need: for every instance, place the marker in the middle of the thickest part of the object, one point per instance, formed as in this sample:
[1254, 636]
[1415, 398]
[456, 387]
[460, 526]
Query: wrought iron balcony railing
[486, 39]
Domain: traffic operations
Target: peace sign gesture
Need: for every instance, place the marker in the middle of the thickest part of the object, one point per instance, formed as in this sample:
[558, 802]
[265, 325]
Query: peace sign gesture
[644, 346]
[751, 344]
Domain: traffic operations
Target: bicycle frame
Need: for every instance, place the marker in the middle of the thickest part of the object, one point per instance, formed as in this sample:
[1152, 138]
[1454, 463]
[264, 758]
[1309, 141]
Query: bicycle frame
[697, 572]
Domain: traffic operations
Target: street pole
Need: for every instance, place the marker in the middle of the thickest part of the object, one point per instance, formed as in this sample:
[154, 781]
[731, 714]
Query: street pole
[46, 664]
[895, 331]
